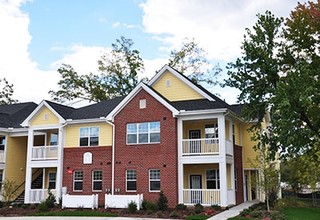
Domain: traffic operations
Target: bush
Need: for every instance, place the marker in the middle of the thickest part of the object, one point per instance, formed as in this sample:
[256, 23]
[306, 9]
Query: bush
[159, 214]
[149, 206]
[174, 214]
[43, 207]
[181, 207]
[275, 215]
[162, 202]
[132, 207]
[256, 214]
[244, 212]
[50, 201]
[198, 208]
[216, 207]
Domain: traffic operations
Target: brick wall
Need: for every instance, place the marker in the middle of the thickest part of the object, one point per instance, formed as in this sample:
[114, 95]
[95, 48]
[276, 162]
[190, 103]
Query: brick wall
[142, 157]
[101, 160]
[238, 166]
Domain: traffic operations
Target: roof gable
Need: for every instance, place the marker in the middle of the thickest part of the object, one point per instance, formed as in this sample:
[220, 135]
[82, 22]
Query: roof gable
[184, 89]
[133, 93]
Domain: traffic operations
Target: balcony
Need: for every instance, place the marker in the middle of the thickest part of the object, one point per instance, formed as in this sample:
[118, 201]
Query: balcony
[201, 196]
[2, 160]
[39, 195]
[45, 152]
[202, 146]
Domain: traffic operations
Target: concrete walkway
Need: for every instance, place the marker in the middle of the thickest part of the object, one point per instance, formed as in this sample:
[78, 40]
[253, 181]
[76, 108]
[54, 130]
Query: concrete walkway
[234, 211]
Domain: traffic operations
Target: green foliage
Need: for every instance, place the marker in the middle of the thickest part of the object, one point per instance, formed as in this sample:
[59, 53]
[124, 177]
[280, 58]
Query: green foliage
[51, 200]
[302, 213]
[198, 208]
[162, 202]
[118, 76]
[6, 92]
[181, 206]
[191, 61]
[43, 207]
[244, 212]
[276, 215]
[174, 214]
[8, 191]
[75, 213]
[216, 207]
[149, 206]
[132, 207]
[256, 214]
[196, 217]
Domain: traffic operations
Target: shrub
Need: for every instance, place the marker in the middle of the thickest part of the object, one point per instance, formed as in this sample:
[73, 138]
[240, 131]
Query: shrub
[244, 212]
[159, 214]
[198, 208]
[50, 200]
[132, 207]
[181, 207]
[256, 214]
[149, 206]
[43, 207]
[276, 215]
[162, 202]
[174, 214]
[216, 207]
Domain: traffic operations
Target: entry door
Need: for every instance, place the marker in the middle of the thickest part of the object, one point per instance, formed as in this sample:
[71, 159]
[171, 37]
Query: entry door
[196, 183]
[195, 145]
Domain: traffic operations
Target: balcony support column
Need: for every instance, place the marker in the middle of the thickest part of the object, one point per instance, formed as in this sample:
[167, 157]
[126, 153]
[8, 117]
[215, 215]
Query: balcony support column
[60, 166]
[223, 162]
[180, 165]
[28, 179]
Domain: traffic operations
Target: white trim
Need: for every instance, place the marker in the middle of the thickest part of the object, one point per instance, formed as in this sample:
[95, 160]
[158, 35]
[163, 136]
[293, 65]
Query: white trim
[73, 180]
[25, 123]
[92, 181]
[131, 180]
[85, 121]
[131, 95]
[151, 191]
[89, 136]
[182, 78]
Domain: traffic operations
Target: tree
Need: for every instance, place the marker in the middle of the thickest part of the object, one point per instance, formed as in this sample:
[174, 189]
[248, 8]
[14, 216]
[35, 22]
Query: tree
[6, 92]
[191, 61]
[118, 76]
[279, 73]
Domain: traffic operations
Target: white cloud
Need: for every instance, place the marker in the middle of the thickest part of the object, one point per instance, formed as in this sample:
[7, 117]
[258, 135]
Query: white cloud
[218, 26]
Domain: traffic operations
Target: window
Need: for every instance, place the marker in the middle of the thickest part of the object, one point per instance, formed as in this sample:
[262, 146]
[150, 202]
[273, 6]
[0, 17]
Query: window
[131, 180]
[77, 180]
[211, 131]
[148, 132]
[154, 180]
[2, 142]
[143, 103]
[97, 180]
[89, 136]
[213, 179]
[52, 180]
[53, 139]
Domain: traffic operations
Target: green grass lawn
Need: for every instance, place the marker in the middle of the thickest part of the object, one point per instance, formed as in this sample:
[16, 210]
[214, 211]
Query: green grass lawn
[75, 213]
[301, 213]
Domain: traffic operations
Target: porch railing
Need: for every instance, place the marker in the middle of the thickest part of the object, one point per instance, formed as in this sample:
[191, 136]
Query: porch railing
[44, 152]
[2, 156]
[202, 196]
[200, 146]
[39, 195]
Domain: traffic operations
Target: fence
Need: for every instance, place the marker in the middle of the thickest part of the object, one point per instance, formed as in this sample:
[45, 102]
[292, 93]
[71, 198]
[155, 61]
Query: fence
[80, 201]
[122, 201]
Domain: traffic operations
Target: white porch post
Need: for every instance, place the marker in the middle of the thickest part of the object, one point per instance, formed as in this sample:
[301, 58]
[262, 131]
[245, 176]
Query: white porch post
[60, 165]
[180, 165]
[28, 179]
[223, 163]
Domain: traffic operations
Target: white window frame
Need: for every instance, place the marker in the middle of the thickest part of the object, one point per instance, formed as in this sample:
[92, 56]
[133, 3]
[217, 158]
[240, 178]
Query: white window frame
[96, 180]
[50, 181]
[149, 133]
[89, 136]
[154, 180]
[131, 180]
[74, 180]
[3, 142]
[216, 179]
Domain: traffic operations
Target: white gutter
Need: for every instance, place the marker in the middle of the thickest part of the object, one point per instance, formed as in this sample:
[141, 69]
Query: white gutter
[113, 156]
[82, 121]
[199, 112]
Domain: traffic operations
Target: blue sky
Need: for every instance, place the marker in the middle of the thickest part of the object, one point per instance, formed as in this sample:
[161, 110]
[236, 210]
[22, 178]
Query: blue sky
[38, 36]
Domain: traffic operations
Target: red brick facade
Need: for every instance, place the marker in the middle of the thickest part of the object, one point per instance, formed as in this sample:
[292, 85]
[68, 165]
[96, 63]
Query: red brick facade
[142, 157]
[101, 160]
[239, 171]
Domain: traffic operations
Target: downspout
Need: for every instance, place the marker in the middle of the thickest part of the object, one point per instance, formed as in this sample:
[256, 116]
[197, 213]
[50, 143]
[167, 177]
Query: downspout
[113, 156]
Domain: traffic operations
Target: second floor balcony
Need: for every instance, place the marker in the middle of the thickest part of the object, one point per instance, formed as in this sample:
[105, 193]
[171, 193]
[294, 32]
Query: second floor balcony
[45, 152]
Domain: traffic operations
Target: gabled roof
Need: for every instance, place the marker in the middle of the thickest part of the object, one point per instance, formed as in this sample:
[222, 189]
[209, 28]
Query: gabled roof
[62, 110]
[11, 116]
[183, 78]
[129, 97]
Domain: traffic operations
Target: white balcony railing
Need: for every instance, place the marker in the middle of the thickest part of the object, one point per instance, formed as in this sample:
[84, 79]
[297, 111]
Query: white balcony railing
[39, 195]
[200, 146]
[202, 196]
[44, 152]
[2, 160]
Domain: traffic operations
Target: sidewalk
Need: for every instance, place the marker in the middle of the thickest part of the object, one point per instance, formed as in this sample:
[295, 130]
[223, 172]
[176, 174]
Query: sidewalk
[234, 211]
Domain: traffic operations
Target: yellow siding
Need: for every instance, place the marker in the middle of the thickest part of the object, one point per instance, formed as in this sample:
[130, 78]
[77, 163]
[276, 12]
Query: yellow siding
[248, 152]
[174, 89]
[44, 117]
[16, 155]
[229, 176]
[227, 130]
[196, 125]
[72, 134]
[237, 133]
[199, 169]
